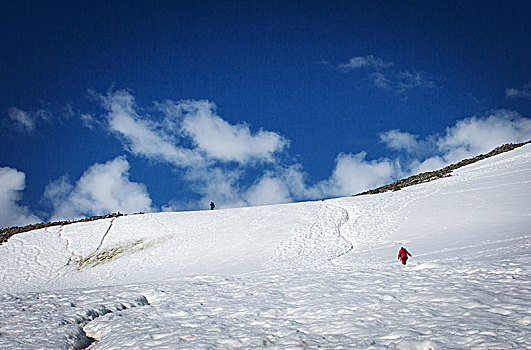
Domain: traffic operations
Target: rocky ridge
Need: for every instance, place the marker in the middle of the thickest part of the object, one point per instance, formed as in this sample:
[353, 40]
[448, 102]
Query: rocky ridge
[444, 172]
[8, 232]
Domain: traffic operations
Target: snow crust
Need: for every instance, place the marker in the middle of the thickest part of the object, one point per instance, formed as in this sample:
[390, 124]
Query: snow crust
[301, 275]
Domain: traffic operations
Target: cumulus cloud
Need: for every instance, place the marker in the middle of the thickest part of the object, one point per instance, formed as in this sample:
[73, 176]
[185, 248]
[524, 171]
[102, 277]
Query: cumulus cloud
[409, 145]
[219, 184]
[353, 174]
[212, 153]
[296, 179]
[401, 141]
[102, 189]
[384, 75]
[12, 183]
[418, 166]
[466, 138]
[217, 158]
[476, 135]
[268, 190]
[472, 136]
[190, 134]
[234, 165]
[142, 136]
[523, 92]
[220, 140]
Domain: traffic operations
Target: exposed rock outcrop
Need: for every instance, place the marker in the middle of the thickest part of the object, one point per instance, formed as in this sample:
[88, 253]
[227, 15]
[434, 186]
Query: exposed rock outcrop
[444, 172]
[6, 233]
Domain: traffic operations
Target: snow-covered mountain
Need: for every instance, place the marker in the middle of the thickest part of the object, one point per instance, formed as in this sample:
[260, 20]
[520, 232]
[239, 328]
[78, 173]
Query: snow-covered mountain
[301, 275]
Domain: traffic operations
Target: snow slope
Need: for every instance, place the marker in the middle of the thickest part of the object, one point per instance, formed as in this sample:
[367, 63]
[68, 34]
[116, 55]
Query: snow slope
[301, 275]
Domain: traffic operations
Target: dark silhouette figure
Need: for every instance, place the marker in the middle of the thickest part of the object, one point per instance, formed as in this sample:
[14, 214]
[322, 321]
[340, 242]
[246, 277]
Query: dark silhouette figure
[212, 205]
[402, 255]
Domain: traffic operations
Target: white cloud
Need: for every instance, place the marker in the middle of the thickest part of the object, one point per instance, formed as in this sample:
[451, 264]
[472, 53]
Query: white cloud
[406, 81]
[472, 136]
[215, 155]
[481, 134]
[12, 183]
[269, 190]
[401, 141]
[27, 121]
[385, 76]
[523, 92]
[380, 80]
[190, 135]
[220, 140]
[296, 180]
[89, 121]
[217, 184]
[353, 174]
[434, 163]
[364, 62]
[102, 189]
[22, 120]
[58, 190]
[465, 139]
[141, 136]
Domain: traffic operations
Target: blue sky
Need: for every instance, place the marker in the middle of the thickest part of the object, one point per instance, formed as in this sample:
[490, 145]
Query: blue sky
[154, 105]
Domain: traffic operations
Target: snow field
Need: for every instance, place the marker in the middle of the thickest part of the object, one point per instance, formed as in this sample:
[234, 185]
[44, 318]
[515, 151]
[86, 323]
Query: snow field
[445, 307]
[302, 275]
[56, 320]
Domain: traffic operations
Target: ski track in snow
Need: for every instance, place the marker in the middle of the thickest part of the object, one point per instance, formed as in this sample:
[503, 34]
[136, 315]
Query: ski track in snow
[305, 275]
[315, 244]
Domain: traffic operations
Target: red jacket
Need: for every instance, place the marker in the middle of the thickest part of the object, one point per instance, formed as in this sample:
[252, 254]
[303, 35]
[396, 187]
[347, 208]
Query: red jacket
[403, 253]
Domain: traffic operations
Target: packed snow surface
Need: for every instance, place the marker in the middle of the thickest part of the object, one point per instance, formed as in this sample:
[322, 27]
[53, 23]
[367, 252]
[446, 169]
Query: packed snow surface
[302, 275]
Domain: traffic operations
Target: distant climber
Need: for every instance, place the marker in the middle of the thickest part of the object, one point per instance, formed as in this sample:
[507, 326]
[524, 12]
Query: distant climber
[402, 255]
[212, 205]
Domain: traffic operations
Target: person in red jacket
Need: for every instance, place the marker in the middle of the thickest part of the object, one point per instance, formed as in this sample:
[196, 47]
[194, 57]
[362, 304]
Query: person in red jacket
[402, 255]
